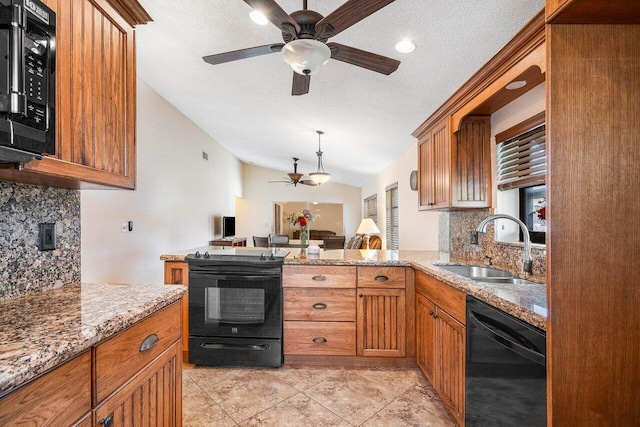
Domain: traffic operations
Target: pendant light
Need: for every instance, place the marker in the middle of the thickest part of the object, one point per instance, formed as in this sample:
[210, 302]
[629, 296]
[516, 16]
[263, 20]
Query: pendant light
[320, 176]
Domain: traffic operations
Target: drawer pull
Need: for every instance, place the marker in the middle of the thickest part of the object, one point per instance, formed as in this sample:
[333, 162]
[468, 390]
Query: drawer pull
[381, 278]
[319, 340]
[319, 306]
[319, 278]
[149, 342]
[107, 422]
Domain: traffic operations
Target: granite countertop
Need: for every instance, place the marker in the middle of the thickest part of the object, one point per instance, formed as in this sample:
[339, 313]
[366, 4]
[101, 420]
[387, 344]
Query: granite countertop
[526, 302]
[41, 331]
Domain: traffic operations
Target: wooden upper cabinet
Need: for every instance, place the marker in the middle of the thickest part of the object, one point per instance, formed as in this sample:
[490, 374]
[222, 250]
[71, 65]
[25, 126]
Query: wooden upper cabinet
[455, 168]
[95, 99]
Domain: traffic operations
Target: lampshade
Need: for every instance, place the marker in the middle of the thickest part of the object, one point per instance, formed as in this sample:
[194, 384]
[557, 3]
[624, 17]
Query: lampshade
[319, 176]
[306, 56]
[367, 226]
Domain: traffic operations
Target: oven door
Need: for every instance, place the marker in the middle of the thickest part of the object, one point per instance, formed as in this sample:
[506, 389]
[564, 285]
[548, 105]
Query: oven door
[235, 302]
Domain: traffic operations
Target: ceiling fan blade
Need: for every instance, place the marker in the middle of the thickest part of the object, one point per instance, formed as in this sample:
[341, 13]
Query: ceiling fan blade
[349, 13]
[364, 59]
[300, 84]
[273, 12]
[234, 55]
[280, 181]
[308, 182]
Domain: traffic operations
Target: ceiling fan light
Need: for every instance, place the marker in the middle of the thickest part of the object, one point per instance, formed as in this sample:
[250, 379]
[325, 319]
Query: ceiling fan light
[306, 56]
[257, 17]
[319, 177]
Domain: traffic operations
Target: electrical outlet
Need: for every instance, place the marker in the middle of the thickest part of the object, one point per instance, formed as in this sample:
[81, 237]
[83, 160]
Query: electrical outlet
[47, 236]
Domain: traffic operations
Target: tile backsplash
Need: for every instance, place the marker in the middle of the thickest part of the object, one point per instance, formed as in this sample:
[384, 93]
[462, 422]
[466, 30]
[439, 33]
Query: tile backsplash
[23, 268]
[508, 256]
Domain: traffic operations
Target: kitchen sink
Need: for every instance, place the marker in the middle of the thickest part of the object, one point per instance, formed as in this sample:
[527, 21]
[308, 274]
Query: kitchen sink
[474, 272]
[506, 280]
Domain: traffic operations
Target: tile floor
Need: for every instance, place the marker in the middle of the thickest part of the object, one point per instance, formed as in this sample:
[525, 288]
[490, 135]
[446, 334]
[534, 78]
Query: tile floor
[313, 396]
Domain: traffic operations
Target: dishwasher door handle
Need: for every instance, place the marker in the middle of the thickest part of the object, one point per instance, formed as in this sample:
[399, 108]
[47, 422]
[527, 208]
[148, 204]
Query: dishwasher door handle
[507, 340]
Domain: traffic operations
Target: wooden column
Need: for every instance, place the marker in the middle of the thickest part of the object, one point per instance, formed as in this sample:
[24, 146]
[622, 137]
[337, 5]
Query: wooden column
[593, 127]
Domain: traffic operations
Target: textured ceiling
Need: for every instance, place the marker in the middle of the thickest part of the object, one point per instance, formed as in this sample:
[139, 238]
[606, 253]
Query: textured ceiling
[367, 117]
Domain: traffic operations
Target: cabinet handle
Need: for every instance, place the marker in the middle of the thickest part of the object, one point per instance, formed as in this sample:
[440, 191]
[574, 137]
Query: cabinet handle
[319, 340]
[319, 278]
[431, 313]
[149, 342]
[381, 278]
[430, 204]
[319, 306]
[360, 296]
[107, 422]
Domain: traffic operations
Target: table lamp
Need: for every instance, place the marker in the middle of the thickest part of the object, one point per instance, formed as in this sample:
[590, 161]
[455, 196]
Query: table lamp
[367, 227]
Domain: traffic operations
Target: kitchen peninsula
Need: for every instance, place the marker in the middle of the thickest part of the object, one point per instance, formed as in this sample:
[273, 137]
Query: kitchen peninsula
[70, 352]
[527, 303]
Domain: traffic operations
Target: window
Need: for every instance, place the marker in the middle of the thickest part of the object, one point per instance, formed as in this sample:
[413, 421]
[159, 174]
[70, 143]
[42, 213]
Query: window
[391, 194]
[522, 158]
[371, 208]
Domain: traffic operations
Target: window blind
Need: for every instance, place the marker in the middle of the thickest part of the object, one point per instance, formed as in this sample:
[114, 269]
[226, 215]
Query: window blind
[391, 194]
[371, 208]
[522, 160]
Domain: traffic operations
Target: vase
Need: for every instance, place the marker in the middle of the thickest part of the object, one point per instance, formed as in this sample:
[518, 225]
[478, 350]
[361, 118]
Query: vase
[304, 235]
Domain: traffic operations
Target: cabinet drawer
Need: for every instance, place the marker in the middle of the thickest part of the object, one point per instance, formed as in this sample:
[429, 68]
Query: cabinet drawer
[302, 276]
[320, 304]
[320, 338]
[444, 296]
[118, 358]
[53, 399]
[381, 277]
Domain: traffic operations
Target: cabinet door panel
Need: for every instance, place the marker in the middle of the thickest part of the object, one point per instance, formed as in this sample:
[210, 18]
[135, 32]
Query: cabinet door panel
[425, 173]
[452, 363]
[177, 273]
[471, 153]
[442, 165]
[426, 337]
[381, 322]
[99, 99]
[152, 398]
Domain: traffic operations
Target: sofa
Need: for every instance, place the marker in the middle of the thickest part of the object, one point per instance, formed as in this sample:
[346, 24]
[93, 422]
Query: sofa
[315, 234]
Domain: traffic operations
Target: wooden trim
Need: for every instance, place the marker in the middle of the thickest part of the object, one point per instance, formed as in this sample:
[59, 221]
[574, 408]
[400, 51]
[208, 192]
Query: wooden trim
[351, 361]
[593, 12]
[410, 312]
[132, 11]
[522, 127]
[525, 42]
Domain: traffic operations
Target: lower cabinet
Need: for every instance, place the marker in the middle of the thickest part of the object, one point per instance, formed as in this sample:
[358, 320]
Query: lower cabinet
[177, 273]
[381, 311]
[131, 379]
[319, 311]
[441, 339]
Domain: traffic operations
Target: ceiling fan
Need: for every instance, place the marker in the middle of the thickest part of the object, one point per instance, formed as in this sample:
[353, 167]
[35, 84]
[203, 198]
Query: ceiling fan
[305, 34]
[295, 178]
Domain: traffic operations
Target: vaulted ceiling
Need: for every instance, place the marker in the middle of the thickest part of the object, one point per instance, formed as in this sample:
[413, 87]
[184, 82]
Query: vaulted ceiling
[367, 117]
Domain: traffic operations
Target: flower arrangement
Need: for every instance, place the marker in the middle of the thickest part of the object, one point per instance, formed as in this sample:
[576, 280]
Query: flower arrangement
[303, 219]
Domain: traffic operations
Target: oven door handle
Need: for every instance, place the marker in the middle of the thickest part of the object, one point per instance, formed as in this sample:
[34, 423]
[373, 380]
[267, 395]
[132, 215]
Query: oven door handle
[232, 277]
[245, 347]
[507, 339]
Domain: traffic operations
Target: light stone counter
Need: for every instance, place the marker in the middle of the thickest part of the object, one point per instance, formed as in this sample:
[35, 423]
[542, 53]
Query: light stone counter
[41, 331]
[526, 302]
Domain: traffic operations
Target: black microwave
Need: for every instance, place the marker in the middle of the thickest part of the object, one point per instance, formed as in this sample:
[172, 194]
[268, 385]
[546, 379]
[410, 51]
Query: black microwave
[27, 80]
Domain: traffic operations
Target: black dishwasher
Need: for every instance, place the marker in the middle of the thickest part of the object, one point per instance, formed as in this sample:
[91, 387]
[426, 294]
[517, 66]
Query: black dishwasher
[505, 370]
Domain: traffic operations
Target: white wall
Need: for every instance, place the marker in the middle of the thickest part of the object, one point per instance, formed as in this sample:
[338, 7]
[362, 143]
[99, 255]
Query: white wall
[418, 229]
[173, 208]
[528, 105]
[254, 211]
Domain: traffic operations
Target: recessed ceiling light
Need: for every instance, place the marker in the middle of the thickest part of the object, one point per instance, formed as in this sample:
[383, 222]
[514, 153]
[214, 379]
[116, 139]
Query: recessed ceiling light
[405, 46]
[258, 17]
[516, 85]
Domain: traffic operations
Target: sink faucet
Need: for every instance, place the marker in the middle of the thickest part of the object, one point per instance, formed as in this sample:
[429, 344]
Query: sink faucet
[527, 261]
